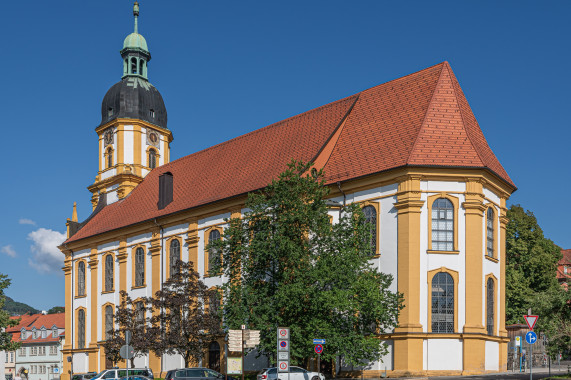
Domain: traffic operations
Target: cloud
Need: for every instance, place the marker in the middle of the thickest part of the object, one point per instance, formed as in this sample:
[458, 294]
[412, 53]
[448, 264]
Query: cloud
[46, 258]
[7, 249]
[26, 221]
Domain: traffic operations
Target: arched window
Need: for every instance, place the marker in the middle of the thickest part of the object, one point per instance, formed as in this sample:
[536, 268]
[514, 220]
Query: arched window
[108, 273]
[152, 158]
[109, 157]
[442, 303]
[490, 306]
[139, 267]
[213, 302]
[140, 311]
[174, 256]
[371, 218]
[134, 66]
[214, 356]
[213, 254]
[140, 67]
[108, 321]
[442, 225]
[81, 328]
[81, 278]
[490, 232]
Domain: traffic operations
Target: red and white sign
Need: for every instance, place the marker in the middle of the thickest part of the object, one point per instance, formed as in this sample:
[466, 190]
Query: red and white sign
[283, 365]
[318, 348]
[283, 333]
[531, 320]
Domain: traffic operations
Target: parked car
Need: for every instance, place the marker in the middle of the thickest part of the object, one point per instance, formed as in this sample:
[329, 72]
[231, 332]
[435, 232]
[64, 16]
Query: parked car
[83, 376]
[116, 373]
[295, 373]
[135, 377]
[196, 373]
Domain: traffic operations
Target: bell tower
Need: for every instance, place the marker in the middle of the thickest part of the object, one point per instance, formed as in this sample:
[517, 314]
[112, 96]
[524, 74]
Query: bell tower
[133, 136]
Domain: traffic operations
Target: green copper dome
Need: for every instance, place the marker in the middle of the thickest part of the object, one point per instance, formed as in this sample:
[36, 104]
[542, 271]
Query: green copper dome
[135, 41]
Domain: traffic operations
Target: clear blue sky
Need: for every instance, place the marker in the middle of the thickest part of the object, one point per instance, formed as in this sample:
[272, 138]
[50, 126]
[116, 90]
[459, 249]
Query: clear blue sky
[226, 68]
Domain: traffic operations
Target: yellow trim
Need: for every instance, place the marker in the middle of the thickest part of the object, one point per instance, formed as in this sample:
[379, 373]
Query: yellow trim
[168, 255]
[93, 264]
[155, 362]
[133, 266]
[455, 277]
[503, 220]
[206, 253]
[103, 307]
[495, 281]
[491, 259]
[444, 252]
[104, 260]
[377, 207]
[122, 257]
[76, 337]
[191, 241]
[455, 204]
[495, 232]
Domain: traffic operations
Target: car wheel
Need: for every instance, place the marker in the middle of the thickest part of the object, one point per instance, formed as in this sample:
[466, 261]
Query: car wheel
[315, 378]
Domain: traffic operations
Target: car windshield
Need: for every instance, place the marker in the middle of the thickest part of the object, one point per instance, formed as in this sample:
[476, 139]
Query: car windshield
[99, 374]
[272, 371]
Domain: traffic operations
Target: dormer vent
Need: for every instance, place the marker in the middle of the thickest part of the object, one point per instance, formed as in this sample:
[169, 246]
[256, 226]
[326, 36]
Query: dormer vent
[165, 190]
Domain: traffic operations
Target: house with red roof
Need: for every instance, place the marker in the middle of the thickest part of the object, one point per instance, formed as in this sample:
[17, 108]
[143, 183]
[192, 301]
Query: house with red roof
[10, 356]
[41, 338]
[564, 268]
[409, 151]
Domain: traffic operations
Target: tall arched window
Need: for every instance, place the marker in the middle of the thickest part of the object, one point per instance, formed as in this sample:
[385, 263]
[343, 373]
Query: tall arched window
[214, 356]
[134, 65]
[490, 306]
[490, 232]
[140, 311]
[152, 158]
[81, 278]
[108, 321]
[108, 273]
[371, 218]
[81, 328]
[213, 254]
[442, 303]
[174, 256]
[442, 225]
[109, 157]
[139, 267]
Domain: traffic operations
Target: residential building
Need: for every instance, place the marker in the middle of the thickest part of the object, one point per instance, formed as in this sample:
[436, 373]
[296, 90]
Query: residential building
[564, 268]
[10, 362]
[409, 151]
[39, 356]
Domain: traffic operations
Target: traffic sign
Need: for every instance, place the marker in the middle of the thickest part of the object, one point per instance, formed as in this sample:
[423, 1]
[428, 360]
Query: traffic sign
[318, 341]
[518, 341]
[127, 352]
[55, 370]
[283, 366]
[283, 333]
[283, 345]
[531, 337]
[318, 348]
[283, 355]
[531, 320]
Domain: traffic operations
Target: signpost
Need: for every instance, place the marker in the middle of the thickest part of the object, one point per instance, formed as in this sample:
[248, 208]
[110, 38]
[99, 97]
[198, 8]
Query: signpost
[318, 350]
[283, 350]
[127, 352]
[531, 338]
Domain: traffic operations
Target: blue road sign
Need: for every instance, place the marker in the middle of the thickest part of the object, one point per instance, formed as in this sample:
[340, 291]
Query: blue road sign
[531, 337]
[318, 341]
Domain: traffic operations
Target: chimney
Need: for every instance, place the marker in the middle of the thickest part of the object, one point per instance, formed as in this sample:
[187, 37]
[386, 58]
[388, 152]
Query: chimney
[165, 190]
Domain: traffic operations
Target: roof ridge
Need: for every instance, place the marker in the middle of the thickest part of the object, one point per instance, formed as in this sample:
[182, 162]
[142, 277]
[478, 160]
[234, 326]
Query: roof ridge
[265, 128]
[453, 78]
[426, 112]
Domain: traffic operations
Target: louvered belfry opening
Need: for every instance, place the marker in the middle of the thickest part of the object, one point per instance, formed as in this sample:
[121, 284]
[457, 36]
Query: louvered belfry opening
[165, 190]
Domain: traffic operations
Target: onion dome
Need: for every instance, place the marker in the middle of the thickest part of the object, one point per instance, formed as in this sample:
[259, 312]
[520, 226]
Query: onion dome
[134, 97]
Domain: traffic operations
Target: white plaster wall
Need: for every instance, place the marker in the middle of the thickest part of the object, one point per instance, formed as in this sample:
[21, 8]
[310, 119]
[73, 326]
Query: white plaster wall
[142, 362]
[492, 356]
[80, 362]
[106, 247]
[491, 196]
[388, 234]
[138, 239]
[171, 362]
[447, 186]
[2, 366]
[443, 354]
[128, 145]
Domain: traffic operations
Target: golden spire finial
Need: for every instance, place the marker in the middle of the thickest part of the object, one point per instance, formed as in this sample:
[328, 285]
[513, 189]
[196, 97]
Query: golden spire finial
[74, 215]
[136, 14]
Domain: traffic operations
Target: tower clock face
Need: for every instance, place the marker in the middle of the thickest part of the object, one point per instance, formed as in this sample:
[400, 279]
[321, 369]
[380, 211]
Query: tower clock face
[153, 137]
[108, 137]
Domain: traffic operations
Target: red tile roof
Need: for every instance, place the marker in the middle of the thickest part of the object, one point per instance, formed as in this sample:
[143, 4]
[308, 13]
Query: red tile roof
[26, 320]
[565, 260]
[38, 321]
[422, 119]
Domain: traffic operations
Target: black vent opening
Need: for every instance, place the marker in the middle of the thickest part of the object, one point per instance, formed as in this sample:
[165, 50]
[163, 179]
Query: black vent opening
[165, 190]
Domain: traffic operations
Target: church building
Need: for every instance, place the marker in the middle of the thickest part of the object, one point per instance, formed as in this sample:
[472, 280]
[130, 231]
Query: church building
[409, 151]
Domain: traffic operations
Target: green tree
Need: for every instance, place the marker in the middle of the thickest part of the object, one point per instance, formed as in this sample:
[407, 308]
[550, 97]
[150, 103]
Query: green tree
[531, 282]
[6, 343]
[289, 266]
[56, 310]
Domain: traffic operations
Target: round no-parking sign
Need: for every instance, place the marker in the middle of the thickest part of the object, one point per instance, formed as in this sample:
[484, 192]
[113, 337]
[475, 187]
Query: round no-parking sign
[318, 348]
[283, 366]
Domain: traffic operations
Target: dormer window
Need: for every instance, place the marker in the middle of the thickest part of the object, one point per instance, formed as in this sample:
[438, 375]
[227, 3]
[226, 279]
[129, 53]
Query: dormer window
[34, 334]
[23, 334]
[54, 332]
[110, 112]
[152, 113]
[44, 333]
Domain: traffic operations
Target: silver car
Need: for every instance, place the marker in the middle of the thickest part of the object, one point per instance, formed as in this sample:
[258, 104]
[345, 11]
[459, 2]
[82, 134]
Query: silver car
[295, 373]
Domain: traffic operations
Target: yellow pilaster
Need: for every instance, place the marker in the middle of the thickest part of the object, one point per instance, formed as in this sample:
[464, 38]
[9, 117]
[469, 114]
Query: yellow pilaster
[408, 346]
[156, 258]
[122, 257]
[192, 240]
[502, 306]
[67, 269]
[93, 293]
[474, 345]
